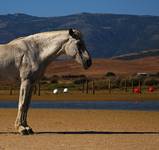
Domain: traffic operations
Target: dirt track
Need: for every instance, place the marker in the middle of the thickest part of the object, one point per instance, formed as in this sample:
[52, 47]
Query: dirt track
[82, 129]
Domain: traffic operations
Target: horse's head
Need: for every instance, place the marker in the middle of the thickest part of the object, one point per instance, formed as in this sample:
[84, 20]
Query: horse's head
[75, 47]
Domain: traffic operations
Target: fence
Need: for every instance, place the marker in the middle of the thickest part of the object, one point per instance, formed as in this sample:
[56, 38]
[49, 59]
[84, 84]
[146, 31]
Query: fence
[87, 86]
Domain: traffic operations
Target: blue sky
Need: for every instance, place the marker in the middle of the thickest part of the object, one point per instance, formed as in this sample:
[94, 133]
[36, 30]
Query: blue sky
[66, 7]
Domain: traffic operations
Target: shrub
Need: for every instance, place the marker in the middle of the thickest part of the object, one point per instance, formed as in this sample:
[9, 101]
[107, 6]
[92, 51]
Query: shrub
[79, 81]
[151, 81]
[110, 74]
[54, 81]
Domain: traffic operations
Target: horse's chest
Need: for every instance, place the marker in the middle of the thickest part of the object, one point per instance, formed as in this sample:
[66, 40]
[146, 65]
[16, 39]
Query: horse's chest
[9, 72]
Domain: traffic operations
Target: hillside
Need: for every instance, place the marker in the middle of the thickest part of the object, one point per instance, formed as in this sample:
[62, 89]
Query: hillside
[106, 35]
[102, 66]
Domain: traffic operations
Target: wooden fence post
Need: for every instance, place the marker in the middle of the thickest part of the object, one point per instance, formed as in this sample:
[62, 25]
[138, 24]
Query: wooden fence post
[93, 87]
[140, 86]
[11, 90]
[39, 88]
[125, 86]
[109, 86]
[35, 89]
[87, 86]
[83, 82]
[132, 85]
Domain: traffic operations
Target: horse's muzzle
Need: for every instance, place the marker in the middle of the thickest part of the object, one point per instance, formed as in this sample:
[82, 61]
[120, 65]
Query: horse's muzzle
[87, 64]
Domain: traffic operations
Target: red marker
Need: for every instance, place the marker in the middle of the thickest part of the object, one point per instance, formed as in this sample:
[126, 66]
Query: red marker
[137, 90]
[151, 89]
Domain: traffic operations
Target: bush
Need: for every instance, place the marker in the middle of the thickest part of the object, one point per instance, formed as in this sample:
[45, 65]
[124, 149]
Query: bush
[104, 84]
[73, 76]
[115, 83]
[101, 84]
[136, 81]
[151, 81]
[54, 79]
[110, 74]
[79, 81]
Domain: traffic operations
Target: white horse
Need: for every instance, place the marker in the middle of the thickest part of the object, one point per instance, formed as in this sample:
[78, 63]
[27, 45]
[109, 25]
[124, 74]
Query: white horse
[28, 57]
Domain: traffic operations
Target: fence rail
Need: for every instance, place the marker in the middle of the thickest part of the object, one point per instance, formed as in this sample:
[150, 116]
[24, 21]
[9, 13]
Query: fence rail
[85, 86]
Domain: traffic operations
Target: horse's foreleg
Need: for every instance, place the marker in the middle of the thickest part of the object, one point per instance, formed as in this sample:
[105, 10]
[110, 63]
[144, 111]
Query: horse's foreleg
[24, 101]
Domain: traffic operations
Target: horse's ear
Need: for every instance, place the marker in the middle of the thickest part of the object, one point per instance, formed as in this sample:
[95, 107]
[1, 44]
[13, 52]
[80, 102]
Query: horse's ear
[71, 32]
[74, 33]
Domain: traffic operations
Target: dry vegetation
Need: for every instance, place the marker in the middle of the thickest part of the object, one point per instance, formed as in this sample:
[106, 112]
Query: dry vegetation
[101, 66]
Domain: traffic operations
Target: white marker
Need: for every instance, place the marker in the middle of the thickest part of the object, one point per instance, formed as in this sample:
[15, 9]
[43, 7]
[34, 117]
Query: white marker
[65, 90]
[55, 91]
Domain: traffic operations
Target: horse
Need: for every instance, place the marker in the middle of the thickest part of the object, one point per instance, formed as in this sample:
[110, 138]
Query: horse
[27, 58]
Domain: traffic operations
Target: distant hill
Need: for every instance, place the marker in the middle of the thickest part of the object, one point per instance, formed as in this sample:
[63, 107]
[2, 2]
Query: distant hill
[106, 35]
[138, 55]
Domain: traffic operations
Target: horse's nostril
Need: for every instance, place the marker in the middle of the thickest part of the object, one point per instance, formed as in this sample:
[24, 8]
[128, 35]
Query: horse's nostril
[89, 62]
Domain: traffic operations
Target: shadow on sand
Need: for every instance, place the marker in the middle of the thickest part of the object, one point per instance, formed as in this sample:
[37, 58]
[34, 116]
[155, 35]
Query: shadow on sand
[83, 132]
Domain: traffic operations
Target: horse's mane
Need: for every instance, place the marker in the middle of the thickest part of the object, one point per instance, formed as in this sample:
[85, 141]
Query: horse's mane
[41, 34]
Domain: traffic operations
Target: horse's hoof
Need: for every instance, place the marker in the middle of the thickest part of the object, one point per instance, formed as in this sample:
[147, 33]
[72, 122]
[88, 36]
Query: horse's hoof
[24, 132]
[30, 131]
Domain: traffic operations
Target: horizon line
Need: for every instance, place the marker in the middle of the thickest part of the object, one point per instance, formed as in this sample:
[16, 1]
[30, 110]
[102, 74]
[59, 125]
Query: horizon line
[100, 13]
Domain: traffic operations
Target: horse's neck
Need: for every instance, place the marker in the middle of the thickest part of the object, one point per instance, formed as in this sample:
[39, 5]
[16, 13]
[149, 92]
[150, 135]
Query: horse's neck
[51, 46]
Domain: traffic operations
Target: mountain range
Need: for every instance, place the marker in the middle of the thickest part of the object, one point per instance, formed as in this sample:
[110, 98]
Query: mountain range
[106, 35]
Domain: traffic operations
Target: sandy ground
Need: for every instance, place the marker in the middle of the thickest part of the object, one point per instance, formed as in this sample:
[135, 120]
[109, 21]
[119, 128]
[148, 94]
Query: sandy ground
[82, 130]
